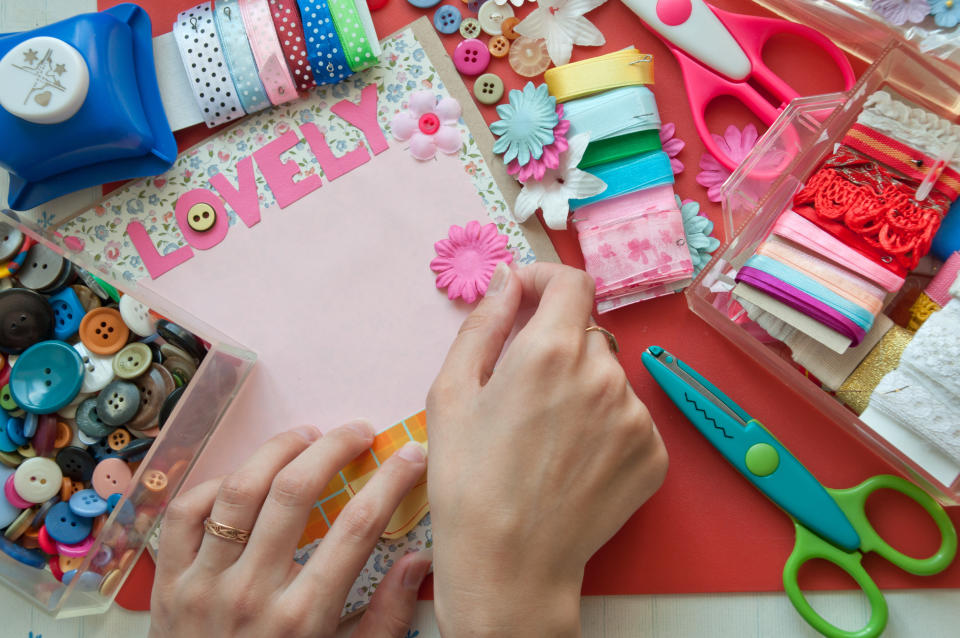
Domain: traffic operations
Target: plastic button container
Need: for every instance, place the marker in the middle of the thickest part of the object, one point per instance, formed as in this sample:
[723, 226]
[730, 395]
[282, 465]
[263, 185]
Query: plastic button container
[763, 187]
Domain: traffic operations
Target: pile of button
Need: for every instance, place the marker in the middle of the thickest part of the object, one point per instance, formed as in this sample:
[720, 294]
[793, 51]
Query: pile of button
[88, 379]
[472, 56]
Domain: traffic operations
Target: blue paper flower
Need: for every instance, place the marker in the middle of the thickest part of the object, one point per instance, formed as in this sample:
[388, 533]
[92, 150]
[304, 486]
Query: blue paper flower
[698, 230]
[946, 13]
[526, 124]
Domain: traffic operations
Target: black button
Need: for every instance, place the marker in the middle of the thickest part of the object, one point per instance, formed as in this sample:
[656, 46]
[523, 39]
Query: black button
[182, 338]
[118, 403]
[170, 403]
[25, 319]
[76, 463]
[11, 240]
[135, 447]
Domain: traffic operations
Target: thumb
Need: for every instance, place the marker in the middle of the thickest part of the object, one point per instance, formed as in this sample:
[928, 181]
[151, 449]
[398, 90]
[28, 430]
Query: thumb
[478, 344]
[395, 602]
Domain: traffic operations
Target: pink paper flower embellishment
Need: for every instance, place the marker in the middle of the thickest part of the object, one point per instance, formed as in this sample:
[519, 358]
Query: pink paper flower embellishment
[466, 259]
[429, 125]
[537, 168]
[672, 146]
[736, 145]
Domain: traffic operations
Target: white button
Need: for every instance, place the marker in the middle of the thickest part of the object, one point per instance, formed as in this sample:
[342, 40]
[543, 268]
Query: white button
[8, 513]
[88, 440]
[137, 316]
[491, 15]
[43, 80]
[97, 370]
[37, 479]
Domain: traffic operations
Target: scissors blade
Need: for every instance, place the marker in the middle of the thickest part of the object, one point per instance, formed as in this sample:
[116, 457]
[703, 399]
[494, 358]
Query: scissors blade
[691, 26]
[751, 449]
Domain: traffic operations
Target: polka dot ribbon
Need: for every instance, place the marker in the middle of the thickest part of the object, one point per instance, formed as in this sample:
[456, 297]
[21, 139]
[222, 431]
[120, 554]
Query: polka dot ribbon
[202, 55]
[236, 49]
[346, 19]
[286, 19]
[328, 62]
[274, 73]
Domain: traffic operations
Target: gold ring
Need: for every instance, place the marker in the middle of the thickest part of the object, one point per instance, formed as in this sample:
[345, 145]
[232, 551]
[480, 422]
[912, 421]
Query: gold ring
[611, 340]
[226, 532]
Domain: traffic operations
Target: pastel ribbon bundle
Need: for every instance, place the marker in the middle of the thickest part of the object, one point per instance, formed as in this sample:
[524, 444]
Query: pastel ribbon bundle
[631, 234]
[242, 56]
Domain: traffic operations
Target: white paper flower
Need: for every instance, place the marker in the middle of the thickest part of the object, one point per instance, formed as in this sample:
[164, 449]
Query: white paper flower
[562, 25]
[516, 3]
[553, 193]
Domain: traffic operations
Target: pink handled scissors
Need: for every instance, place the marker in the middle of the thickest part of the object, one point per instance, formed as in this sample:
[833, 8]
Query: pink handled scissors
[719, 54]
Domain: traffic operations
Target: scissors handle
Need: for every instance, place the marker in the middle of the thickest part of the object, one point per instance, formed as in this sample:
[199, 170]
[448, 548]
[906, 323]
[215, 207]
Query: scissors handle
[810, 546]
[853, 502]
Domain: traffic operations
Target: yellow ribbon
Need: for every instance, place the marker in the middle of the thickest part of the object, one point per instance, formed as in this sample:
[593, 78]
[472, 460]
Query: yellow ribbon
[628, 67]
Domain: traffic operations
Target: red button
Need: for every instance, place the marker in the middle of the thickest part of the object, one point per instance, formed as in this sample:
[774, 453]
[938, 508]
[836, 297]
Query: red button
[471, 57]
[429, 123]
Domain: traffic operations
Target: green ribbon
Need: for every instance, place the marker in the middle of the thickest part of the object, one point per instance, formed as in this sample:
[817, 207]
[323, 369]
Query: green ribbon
[615, 148]
[353, 38]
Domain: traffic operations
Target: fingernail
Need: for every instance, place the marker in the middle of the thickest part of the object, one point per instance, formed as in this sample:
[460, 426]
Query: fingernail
[501, 274]
[360, 427]
[413, 452]
[417, 569]
[310, 432]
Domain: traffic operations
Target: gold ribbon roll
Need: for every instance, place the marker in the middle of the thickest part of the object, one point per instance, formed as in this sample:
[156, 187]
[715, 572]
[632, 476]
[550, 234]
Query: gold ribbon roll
[885, 356]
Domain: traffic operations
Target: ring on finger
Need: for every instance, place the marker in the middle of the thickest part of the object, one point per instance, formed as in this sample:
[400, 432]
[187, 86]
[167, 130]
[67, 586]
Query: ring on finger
[611, 340]
[226, 532]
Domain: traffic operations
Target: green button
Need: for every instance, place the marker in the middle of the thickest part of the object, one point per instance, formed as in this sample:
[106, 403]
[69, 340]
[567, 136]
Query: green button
[762, 459]
[6, 399]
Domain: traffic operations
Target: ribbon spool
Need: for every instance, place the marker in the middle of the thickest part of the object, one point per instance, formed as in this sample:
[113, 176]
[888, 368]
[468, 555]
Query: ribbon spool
[602, 73]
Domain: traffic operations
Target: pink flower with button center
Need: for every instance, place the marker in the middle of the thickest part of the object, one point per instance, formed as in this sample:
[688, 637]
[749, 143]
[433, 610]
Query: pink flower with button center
[428, 125]
[537, 168]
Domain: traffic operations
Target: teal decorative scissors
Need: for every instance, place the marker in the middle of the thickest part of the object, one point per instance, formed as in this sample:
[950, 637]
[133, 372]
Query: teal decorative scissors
[830, 524]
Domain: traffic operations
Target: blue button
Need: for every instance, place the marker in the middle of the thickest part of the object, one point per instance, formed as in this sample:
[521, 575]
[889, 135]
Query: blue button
[8, 513]
[31, 557]
[6, 445]
[30, 424]
[424, 4]
[66, 527]
[447, 19]
[14, 430]
[67, 313]
[46, 377]
[87, 503]
[127, 513]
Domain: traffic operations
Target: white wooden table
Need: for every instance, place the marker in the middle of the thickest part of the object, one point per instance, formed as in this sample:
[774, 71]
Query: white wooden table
[913, 614]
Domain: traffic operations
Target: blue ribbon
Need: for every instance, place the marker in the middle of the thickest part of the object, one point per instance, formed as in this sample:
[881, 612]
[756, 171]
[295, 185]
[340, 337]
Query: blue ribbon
[629, 175]
[239, 56]
[325, 53]
[626, 110]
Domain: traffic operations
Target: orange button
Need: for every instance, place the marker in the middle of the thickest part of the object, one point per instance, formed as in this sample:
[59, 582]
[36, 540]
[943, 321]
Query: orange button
[103, 331]
[64, 435]
[506, 27]
[528, 58]
[499, 46]
[118, 439]
[155, 480]
[70, 562]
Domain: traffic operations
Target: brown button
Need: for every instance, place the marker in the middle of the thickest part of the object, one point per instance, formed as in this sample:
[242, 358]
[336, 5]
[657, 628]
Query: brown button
[506, 27]
[68, 488]
[70, 562]
[201, 217]
[499, 46]
[154, 385]
[29, 539]
[88, 300]
[155, 480]
[103, 331]
[118, 439]
[179, 363]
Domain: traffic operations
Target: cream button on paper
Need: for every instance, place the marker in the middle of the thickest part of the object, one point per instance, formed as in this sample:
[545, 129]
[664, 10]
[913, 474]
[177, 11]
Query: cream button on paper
[43, 80]
[492, 15]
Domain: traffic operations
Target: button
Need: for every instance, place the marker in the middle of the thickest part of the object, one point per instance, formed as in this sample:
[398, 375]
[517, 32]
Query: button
[30, 423]
[88, 300]
[506, 27]
[68, 488]
[135, 450]
[11, 240]
[64, 435]
[447, 19]
[104, 555]
[471, 57]
[488, 89]
[44, 439]
[179, 363]
[118, 439]
[424, 4]
[8, 511]
[14, 432]
[76, 463]
[98, 370]
[169, 404]
[6, 399]
[470, 28]
[67, 313]
[37, 479]
[19, 525]
[44, 79]
[87, 503]
[492, 15]
[90, 422]
[27, 451]
[10, 491]
[155, 386]
[10, 459]
[182, 338]
[90, 441]
[137, 316]
[499, 46]
[25, 319]
[46, 377]
[529, 57]
[41, 512]
[6, 444]
[41, 268]
[111, 476]
[103, 331]
[30, 557]
[63, 526]
[118, 402]
[201, 217]
[110, 583]
[155, 480]
[762, 459]
[66, 563]
[127, 512]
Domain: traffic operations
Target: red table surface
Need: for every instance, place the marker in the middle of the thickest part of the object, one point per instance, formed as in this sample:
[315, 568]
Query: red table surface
[707, 529]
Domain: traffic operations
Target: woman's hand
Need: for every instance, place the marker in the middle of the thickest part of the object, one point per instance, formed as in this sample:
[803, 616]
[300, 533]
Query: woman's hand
[535, 464]
[208, 587]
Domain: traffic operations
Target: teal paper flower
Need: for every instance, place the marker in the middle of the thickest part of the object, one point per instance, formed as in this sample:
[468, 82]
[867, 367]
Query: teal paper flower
[698, 230]
[946, 13]
[526, 124]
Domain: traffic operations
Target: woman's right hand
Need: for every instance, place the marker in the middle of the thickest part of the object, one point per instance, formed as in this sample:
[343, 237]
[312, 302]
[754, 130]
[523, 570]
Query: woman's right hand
[535, 464]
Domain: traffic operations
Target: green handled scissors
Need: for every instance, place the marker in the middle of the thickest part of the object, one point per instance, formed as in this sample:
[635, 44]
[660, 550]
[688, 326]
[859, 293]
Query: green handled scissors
[830, 524]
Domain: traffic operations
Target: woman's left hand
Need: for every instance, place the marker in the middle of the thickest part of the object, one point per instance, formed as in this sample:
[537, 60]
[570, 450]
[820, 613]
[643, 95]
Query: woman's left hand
[210, 587]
